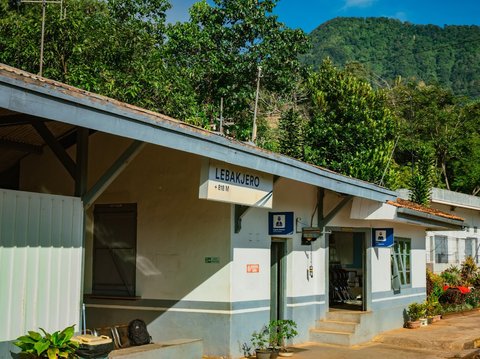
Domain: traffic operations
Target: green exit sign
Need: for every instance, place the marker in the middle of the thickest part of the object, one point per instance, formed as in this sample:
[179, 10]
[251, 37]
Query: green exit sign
[212, 259]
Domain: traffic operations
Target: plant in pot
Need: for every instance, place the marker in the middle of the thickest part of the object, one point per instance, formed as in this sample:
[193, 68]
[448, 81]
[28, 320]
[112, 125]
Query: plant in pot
[434, 311]
[261, 342]
[52, 346]
[281, 331]
[415, 311]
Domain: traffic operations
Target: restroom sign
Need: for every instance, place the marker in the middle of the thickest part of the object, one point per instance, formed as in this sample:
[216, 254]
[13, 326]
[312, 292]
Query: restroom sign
[382, 237]
[280, 223]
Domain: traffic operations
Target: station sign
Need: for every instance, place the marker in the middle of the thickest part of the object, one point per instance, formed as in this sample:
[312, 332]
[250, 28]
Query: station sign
[233, 184]
[382, 237]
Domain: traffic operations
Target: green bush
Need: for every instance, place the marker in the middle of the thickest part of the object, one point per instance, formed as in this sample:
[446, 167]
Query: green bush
[434, 286]
[452, 276]
[469, 271]
[473, 298]
[416, 311]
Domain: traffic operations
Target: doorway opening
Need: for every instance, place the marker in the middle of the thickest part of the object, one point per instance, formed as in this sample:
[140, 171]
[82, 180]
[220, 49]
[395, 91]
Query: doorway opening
[347, 270]
[278, 272]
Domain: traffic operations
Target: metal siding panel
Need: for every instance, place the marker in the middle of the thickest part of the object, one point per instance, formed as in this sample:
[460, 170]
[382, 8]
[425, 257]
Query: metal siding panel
[19, 272]
[6, 266]
[44, 267]
[40, 262]
[32, 263]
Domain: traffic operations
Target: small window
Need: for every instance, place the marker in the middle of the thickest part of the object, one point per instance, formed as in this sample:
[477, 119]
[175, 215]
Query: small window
[400, 261]
[441, 249]
[468, 247]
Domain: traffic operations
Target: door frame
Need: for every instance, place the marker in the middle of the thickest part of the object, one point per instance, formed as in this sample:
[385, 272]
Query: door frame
[366, 281]
[278, 311]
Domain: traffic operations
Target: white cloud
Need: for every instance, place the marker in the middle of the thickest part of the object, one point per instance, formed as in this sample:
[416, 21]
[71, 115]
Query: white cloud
[358, 3]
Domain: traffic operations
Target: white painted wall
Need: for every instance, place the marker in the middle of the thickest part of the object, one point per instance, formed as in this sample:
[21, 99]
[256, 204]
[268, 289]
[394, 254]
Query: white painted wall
[175, 229]
[455, 238]
[252, 246]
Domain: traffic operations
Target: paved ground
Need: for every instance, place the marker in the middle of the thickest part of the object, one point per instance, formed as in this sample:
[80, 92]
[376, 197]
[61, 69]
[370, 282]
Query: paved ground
[455, 336]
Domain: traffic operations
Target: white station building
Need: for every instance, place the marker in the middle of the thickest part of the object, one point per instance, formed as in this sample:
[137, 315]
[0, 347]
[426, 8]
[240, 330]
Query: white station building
[138, 215]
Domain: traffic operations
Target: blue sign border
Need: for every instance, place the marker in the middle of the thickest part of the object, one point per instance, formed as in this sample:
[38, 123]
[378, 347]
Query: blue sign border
[388, 242]
[287, 229]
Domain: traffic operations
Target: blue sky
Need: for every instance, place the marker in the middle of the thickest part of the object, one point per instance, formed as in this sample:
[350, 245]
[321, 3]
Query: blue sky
[308, 14]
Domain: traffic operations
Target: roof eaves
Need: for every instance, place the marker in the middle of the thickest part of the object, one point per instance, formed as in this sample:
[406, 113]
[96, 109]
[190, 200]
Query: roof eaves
[429, 218]
[194, 139]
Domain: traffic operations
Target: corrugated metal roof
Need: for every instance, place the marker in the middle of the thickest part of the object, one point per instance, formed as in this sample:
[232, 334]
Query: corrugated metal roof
[36, 96]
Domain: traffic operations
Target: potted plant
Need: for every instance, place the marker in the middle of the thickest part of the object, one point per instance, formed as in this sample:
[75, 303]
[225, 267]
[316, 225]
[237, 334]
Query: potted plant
[52, 346]
[281, 331]
[261, 342]
[434, 311]
[415, 311]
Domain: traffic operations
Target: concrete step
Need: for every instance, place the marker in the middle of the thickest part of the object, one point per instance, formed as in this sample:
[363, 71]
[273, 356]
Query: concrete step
[336, 326]
[331, 337]
[345, 316]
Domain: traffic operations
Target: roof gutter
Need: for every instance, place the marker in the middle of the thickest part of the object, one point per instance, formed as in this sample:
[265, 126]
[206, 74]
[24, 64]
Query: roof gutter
[422, 218]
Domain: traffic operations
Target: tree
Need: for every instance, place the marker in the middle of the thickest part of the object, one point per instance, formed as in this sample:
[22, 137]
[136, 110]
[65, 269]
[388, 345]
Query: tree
[109, 47]
[351, 127]
[466, 165]
[293, 134]
[221, 48]
[421, 181]
[432, 118]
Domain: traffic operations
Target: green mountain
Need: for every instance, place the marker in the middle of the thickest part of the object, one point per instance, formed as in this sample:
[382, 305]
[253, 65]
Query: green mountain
[388, 48]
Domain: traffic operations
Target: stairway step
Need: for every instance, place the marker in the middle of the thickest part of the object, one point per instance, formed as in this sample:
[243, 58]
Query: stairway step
[330, 337]
[344, 316]
[337, 326]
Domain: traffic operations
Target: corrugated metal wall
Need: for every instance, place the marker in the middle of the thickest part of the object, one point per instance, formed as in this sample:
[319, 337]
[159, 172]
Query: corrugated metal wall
[40, 262]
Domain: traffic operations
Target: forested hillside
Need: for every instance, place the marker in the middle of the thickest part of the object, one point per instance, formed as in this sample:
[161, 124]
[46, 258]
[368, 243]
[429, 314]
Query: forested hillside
[388, 48]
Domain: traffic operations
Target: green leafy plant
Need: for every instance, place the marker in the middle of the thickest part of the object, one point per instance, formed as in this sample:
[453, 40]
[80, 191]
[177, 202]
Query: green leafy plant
[433, 307]
[468, 271]
[434, 286]
[452, 276]
[281, 331]
[416, 311]
[261, 339]
[52, 346]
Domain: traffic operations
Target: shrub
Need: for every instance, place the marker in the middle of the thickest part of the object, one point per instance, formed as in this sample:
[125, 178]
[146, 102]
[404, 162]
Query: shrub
[434, 286]
[416, 311]
[433, 308]
[452, 296]
[451, 276]
[469, 271]
[473, 298]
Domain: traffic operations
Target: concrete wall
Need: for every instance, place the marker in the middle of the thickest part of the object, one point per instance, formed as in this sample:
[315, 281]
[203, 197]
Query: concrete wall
[305, 296]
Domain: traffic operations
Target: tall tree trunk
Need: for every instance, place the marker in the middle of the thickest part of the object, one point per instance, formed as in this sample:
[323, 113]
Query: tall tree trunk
[444, 171]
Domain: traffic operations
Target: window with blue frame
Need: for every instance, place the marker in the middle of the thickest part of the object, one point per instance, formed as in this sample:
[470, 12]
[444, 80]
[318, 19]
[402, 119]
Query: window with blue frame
[401, 263]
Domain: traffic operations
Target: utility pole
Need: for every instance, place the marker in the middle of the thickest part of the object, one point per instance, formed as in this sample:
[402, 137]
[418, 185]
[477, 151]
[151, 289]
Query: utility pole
[44, 7]
[254, 128]
[221, 115]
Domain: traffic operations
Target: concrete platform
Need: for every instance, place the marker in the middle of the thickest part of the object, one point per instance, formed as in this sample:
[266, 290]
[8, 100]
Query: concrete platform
[174, 349]
[455, 336]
